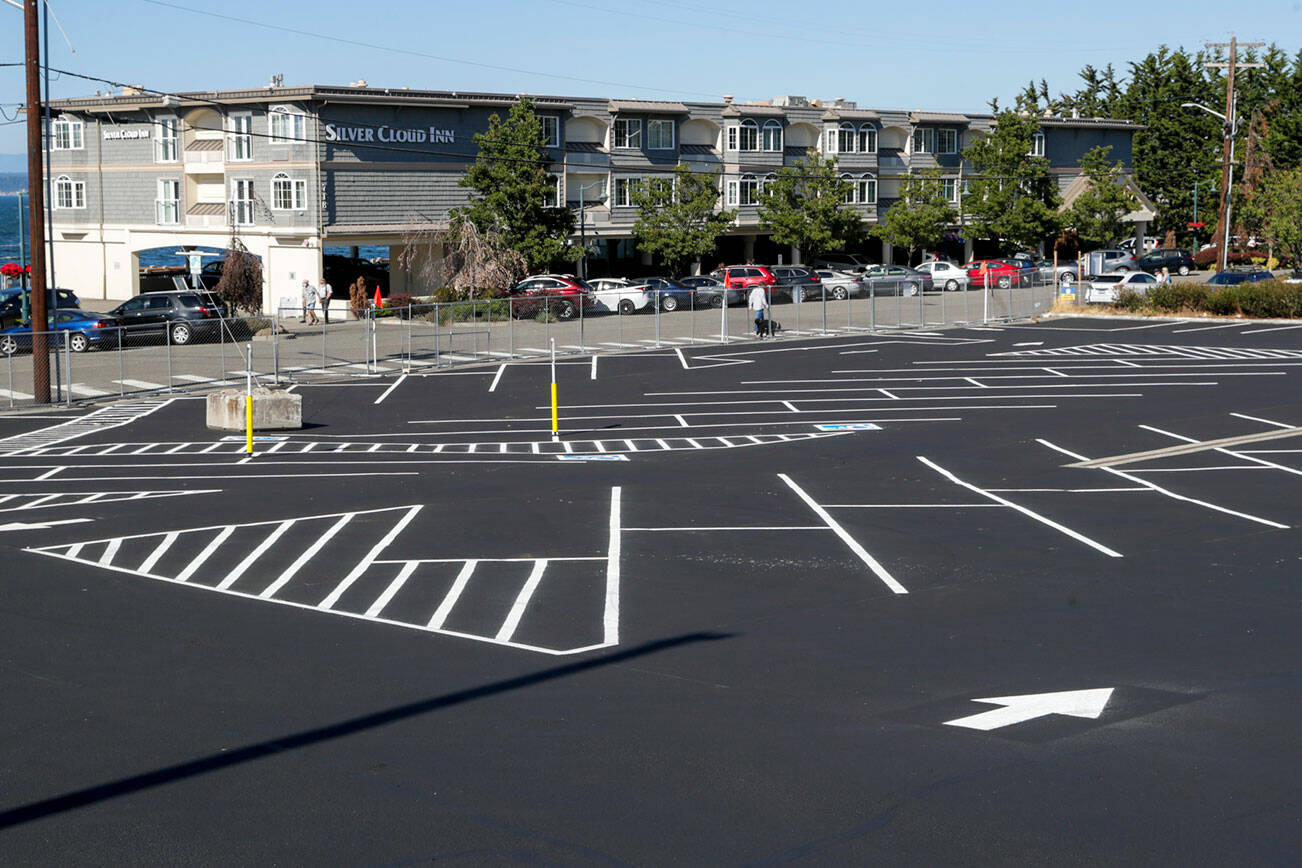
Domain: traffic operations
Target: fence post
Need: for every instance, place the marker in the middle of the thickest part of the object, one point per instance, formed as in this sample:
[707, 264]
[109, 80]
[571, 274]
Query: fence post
[221, 375]
[122, 360]
[67, 367]
[275, 350]
[11, 379]
[582, 299]
[658, 319]
[510, 326]
[922, 307]
[872, 306]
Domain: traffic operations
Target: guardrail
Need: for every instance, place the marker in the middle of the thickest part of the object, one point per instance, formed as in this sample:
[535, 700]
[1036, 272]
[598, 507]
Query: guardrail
[91, 364]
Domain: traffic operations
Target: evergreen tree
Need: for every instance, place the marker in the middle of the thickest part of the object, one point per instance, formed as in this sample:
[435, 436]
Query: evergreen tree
[1283, 142]
[676, 217]
[1275, 212]
[1013, 199]
[805, 206]
[1096, 214]
[512, 186]
[920, 217]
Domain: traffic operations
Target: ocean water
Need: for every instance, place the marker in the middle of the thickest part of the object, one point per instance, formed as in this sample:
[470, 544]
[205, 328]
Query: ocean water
[12, 215]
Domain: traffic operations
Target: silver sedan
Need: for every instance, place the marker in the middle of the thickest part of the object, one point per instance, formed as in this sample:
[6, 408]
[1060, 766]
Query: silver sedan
[837, 284]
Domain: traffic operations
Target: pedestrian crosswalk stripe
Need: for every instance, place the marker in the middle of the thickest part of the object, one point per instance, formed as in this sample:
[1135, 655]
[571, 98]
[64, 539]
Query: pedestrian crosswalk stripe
[119, 414]
[1153, 350]
[64, 499]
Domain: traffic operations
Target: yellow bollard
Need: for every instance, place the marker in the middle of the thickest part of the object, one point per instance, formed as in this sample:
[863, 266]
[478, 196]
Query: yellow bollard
[556, 425]
[248, 423]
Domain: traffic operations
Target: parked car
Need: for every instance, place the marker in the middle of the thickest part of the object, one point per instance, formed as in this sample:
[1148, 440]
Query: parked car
[1109, 260]
[851, 262]
[1027, 271]
[998, 273]
[795, 278]
[1174, 260]
[668, 293]
[1150, 243]
[743, 277]
[839, 284]
[563, 295]
[81, 329]
[612, 294]
[1235, 276]
[1295, 277]
[895, 280]
[11, 303]
[945, 274]
[1066, 271]
[180, 315]
[709, 290]
[1104, 288]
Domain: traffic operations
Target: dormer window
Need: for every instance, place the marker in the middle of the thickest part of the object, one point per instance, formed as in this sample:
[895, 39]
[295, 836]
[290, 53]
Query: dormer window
[69, 134]
[748, 136]
[772, 137]
[628, 133]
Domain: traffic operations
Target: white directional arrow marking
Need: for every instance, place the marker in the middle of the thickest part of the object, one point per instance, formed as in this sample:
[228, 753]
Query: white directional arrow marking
[40, 525]
[1018, 709]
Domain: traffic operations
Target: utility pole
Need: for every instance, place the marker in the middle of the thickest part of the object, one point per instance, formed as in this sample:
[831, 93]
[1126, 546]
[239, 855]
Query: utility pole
[36, 205]
[1231, 129]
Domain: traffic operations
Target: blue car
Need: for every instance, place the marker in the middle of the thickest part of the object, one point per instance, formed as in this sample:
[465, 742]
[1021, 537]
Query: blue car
[82, 330]
[1234, 278]
[667, 292]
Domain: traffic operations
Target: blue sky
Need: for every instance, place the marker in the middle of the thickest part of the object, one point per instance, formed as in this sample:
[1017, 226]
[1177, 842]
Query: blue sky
[940, 56]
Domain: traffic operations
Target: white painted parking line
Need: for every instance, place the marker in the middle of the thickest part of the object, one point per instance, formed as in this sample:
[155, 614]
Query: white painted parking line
[389, 391]
[140, 384]
[233, 576]
[1262, 421]
[850, 541]
[86, 391]
[1168, 493]
[453, 594]
[1228, 325]
[15, 395]
[492, 387]
[512, 622]
[365, 563]
[593, 375]
[1275, 329]
[206, 553]
[394, 587]
[1023, 510]
[790, 406]
[682, 358]
[1261, 461]
[307, 555]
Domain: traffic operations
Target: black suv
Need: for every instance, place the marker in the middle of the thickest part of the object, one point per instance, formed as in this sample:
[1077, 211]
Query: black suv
[183, 315]
[793, 277]
[1178, 261]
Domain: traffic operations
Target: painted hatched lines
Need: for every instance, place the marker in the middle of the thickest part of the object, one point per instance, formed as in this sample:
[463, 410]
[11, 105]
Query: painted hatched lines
[65, 499]
[310, 563]
[1184, 352]
[99, 420]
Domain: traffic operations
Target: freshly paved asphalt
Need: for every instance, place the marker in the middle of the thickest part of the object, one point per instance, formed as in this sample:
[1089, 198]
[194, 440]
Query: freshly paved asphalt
[764, 697]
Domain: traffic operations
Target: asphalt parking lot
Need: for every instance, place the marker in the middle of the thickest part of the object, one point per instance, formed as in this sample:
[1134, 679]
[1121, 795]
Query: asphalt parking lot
[830, 601]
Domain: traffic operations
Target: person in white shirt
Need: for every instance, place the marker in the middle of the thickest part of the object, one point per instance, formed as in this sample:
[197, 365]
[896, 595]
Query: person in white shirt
[758, 302]
[325, 292]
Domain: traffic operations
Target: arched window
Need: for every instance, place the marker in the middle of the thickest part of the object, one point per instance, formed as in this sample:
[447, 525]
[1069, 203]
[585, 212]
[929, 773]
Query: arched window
[867, 192]
[867, 139]
[749, 136]
[845, 138]
[287, 126]
[772, 136]
[288, 194]
[851, 189]
[749, 190]
[69, 193]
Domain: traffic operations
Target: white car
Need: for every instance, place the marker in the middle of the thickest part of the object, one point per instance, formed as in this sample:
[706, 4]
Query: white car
[945, 274]
[1105, 288]
[619, 294]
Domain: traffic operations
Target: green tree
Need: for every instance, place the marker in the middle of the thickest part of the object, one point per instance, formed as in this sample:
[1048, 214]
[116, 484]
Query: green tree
[1275, 211]
[512, 190]
[806, 207]
[920, 217]
[1013, 199]
[1096, 214]
[676, 218]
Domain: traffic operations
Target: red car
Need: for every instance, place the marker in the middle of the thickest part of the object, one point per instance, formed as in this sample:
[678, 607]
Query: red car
[561, 294]
[1000, 273]
[745, 276]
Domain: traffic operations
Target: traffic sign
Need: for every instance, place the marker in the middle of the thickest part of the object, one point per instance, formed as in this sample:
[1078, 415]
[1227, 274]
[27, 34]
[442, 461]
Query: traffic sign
[1197, 225]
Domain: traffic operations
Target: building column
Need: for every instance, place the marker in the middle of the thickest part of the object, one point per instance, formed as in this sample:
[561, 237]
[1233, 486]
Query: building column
[967, 247]
[1141, 231]
[795, 255]
[748, 248]
[888, 254]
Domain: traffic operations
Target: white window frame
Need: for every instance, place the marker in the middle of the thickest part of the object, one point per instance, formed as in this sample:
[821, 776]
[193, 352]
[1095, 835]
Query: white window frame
[652, 136]
[732, 137]
[293, 125]
[69, 194]
[166, 202]
[553, 200]
[68, 134]
[771, 137]
[866, 192]
[949, 189]
[242, 210]
[845, 138]
[748, 136]
[239, 143]
[852, 195]
[832, 134]
[629, 130]
[287, 189]
[731, 197]
[1037, 145]
[950, 146]
[551, 127]
[866, 140]
[923, 140]
[167, 147]
[624, 191]
[748, 190]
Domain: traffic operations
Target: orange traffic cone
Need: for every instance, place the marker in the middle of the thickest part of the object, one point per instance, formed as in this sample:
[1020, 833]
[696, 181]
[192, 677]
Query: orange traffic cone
[379, 302]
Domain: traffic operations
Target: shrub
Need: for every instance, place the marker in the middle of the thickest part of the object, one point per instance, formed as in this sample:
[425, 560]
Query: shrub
[1128, 299]
[1209, 257]
[1173, 297]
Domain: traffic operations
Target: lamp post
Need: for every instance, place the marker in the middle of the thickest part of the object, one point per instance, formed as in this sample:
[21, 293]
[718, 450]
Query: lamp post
[1227, 172]
[583, 238]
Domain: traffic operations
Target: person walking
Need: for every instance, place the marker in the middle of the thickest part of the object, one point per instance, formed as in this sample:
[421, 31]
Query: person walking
[304, 292]
[1164, 276]
[309, 306]
[325, 292]
[758, 302]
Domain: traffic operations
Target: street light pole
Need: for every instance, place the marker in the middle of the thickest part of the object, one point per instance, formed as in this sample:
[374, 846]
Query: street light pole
[583, 242]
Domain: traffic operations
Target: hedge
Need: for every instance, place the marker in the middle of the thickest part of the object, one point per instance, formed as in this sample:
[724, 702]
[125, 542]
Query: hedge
[1269, 299]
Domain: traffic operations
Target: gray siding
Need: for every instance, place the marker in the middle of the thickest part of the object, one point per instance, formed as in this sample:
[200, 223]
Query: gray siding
[399, 196]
